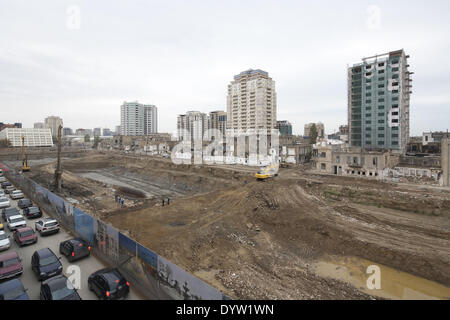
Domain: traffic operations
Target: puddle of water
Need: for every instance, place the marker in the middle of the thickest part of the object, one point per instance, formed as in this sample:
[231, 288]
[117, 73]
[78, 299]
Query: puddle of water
[394, 284]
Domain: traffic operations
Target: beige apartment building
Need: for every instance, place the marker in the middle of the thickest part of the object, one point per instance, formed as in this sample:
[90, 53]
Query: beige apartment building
[319, 127]
[53, 124]
[251, 103]
[339, 159]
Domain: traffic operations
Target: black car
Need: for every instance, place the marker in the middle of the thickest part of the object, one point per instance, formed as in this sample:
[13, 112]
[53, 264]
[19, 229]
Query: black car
[32, 212]
[6, 184]
[24, 203]
[45, 264]
[58, 288]
[109, 284]
[8, 212]
[75, 249]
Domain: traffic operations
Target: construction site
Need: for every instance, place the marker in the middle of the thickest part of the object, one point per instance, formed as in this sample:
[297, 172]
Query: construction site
[301, 235]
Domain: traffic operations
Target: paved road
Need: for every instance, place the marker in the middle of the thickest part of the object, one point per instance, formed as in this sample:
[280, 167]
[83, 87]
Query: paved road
[87, 265]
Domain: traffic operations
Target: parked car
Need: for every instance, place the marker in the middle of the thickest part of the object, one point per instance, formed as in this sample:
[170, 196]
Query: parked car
[24, 203]
[2, 227]
[45, 264]
[58, 288]
[109, 284]
[5, 244]
[2, 179]
[16, 194]
[32, 212]
[5, 184]
[16, 222]
[47, 226]
[7, 212]
[75, 249]
[4, 202]
[24, 236]
[13, 290]
[9, 189]
[2, 193]
[10, 265]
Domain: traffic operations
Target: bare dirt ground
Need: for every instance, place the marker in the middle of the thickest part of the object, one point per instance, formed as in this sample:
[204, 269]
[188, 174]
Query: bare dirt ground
[259, 240]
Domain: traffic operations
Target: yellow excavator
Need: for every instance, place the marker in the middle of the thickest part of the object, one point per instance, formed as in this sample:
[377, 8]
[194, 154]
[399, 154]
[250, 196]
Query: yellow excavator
[267, 172]
[270, 170]
[25, 167]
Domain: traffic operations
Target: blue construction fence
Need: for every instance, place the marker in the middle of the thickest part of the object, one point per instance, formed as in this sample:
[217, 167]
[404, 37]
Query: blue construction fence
[153, 275]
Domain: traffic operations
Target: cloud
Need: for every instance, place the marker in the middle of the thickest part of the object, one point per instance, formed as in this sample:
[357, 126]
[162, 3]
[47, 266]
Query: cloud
[181, 55]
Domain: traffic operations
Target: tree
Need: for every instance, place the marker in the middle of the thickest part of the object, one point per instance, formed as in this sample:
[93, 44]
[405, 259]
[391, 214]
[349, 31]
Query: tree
[87, 138]
[313, 134]
[96, 142]
[5, 143]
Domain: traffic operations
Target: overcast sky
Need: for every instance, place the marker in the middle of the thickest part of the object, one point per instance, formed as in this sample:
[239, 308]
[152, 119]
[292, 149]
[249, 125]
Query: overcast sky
[181, 55]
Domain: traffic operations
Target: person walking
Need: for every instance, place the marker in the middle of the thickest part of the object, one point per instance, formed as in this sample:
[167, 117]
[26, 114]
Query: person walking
[163, 202]
[168, 201]
[123, 202]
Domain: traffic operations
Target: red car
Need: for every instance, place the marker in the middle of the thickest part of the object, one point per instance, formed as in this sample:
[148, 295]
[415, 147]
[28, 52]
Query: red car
[25, 236]
[10, 265]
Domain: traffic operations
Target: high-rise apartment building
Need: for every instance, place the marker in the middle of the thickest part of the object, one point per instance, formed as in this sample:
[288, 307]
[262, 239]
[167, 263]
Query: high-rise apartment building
[251, 103]
[285, 128]
[97, 132]
[138, 119]
[39, 125]
[218, 120]
[379, 91]
[67, 132]
[53, 124]
[192, 125]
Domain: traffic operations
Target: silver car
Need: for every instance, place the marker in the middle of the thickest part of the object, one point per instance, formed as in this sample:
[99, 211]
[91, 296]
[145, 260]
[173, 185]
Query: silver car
[16, 194]
[16, 222]
[47, 226]
[4, 202]
[5, 244]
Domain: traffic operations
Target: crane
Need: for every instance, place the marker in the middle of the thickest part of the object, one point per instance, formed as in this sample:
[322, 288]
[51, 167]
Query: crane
[25, 167]
[58, 171]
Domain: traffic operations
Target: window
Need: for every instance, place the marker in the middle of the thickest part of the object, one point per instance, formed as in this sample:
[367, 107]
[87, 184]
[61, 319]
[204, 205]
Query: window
[368, 101]
[368, 115]
[368, 94]
[381, 100]
[380, 121]
[323, 166]
[381, 114]
[355, 160]
[381, 135]
[374, 161]
[368, 122]
[380, 107]
[380, 71]
[338, 159]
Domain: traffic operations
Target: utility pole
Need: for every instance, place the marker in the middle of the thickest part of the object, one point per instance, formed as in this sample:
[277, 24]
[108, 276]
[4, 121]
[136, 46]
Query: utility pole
[58, 171]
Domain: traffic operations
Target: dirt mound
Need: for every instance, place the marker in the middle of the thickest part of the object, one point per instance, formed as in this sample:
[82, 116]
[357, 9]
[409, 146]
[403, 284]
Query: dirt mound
[272, 231]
